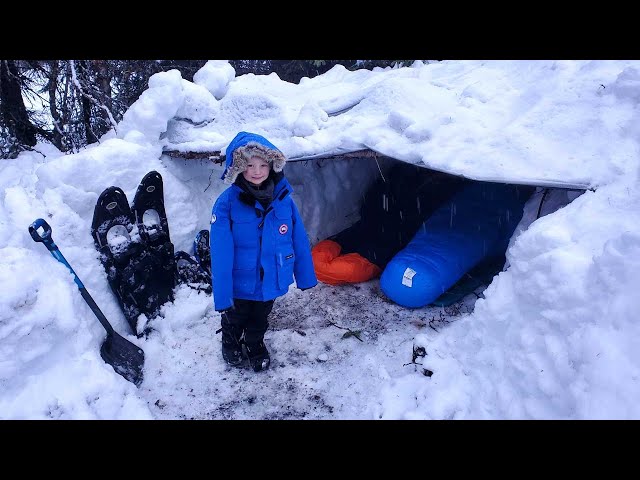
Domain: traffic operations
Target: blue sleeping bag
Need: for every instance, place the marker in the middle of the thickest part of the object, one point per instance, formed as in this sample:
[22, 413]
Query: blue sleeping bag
[476, 223]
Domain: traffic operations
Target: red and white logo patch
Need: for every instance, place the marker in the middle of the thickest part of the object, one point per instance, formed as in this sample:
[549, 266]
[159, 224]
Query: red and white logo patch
[283, 229]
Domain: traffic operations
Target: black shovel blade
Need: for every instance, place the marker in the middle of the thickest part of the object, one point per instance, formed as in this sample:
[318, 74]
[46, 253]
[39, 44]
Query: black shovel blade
[126, 358]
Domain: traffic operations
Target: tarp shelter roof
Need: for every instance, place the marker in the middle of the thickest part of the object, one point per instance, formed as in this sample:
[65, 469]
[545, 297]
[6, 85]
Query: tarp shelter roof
[522, 114]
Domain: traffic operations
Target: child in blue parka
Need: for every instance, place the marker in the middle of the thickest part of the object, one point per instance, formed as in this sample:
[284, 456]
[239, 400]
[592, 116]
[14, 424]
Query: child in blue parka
[258, 245]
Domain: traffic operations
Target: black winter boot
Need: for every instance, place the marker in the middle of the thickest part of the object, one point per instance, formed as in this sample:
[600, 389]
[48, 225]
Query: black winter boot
[259, 358]
[232, 350]
[232, 341]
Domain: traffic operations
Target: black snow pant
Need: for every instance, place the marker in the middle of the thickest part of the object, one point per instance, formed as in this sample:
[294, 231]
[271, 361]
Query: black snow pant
[248, 318]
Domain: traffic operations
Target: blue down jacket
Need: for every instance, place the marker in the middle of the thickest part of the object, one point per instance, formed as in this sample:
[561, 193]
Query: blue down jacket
[245, 239]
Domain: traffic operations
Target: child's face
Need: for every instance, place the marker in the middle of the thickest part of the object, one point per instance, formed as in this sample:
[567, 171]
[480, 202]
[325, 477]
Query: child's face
[257, 171]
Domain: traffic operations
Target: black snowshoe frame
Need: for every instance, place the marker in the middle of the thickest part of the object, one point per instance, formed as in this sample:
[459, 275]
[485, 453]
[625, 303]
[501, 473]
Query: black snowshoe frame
[138, 255]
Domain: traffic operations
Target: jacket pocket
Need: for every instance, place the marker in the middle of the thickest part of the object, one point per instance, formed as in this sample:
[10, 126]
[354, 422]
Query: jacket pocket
[244, 281]
[245, 231]
[244, 269]
[284, 265]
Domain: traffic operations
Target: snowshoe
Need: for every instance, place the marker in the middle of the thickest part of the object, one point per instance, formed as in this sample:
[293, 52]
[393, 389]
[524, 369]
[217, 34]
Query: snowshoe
[148, 210]
[202, 252]
[151, 219]
[116, 238]
[135, 249]
[189, 272]
[112, 225]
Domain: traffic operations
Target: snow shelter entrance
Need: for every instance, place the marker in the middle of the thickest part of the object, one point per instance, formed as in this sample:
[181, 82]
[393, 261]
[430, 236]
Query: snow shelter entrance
[427, 231]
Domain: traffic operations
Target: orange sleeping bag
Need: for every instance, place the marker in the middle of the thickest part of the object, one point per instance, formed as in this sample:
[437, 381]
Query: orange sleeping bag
[336, 269]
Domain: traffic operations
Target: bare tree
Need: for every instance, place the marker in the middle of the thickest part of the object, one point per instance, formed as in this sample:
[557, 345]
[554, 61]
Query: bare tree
[18, 132]
[87, 84]
[52, 88]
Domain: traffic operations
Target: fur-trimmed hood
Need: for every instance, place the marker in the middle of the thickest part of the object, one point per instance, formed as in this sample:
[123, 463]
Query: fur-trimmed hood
[246, 145]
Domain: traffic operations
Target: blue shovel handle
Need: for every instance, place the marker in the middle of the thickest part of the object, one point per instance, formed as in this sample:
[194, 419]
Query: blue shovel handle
[46, 238]
[126, 358]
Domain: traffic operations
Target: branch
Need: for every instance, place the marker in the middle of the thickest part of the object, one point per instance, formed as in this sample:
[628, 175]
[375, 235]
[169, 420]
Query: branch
[76, 83]
[349, 332]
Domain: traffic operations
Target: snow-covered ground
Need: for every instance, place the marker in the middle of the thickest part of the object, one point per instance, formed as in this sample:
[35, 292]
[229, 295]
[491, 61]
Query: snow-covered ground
[331, 349]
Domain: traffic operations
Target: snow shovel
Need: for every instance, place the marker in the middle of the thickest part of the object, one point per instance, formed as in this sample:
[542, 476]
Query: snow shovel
[126, 358]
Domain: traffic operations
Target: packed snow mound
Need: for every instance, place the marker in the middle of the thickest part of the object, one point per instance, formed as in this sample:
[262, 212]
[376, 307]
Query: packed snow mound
[508, 121]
